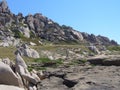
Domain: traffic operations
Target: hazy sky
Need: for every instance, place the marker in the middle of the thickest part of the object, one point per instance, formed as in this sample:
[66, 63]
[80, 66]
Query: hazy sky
[91, 16]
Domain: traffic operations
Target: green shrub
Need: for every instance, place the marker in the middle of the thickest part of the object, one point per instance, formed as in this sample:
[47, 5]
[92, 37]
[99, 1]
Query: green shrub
[59, 61]
[30, 68]
[18, 34]
[49, 61]
[82, 61]
[32, 35]
[43, 60]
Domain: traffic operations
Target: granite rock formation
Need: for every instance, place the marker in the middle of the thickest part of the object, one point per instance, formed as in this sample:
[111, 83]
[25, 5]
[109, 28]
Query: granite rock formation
[41, 27]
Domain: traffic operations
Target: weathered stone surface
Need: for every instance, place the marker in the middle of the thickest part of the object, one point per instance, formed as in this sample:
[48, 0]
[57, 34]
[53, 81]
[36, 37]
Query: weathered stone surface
[94, 49]
[31, 53]
[8, 87]
[9, 41]
[20, 61]
[28, 77]
[68, 77]
[99, 78]
[106, 60]
[21, 68]
[40, 26]
[32, 88]
[77, 35]
[53, 83]
[33, 44]
[6, 61]
[8, 77]
[25, 31]
[73, 77]
[98, 40]
[30, 21]
[4, 6]
[25, 50]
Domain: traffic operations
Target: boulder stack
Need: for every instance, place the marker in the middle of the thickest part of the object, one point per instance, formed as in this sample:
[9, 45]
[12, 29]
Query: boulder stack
[25, 50]
[17, 75]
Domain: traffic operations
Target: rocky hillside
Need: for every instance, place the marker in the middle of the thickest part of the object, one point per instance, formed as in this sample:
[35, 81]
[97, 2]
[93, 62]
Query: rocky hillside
[42, 28]
[37, 53]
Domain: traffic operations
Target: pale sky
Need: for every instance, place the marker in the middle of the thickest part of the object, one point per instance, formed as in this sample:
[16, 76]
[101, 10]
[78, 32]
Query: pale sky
[91, 16]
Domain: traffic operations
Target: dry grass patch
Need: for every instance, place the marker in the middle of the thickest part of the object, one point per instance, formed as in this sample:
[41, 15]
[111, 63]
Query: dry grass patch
[7, 52]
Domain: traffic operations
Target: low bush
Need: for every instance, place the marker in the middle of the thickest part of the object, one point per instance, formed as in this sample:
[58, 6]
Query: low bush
[47, 61]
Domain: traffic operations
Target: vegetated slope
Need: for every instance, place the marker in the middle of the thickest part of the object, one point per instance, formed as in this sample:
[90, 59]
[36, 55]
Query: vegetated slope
[42, 28]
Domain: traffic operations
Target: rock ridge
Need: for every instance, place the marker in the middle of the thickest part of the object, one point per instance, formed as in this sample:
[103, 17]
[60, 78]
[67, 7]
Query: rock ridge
[43, 28]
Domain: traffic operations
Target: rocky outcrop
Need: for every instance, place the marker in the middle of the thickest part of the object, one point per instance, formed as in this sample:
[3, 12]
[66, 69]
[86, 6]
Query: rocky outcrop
[53, 83]
[20, 61]
[105, 60]
[8, 77]
[39, 26]
[98, 40]
[4, 6]
[86, 77]
[25, 31]
[107, 78]
[25, 50]
[94, 49]
[9, 41]
[21, 68]
[17, 75]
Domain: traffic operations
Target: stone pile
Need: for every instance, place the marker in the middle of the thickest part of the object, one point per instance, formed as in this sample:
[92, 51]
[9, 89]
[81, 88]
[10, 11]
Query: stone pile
[9, 41]
[16, 76]
[25, 50]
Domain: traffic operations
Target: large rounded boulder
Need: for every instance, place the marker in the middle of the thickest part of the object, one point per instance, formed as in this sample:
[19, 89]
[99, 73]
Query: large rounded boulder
[8, 77]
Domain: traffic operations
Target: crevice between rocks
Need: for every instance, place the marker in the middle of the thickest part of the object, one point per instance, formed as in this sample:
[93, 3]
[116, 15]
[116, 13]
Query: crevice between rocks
[69, 83]
[104, 62]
